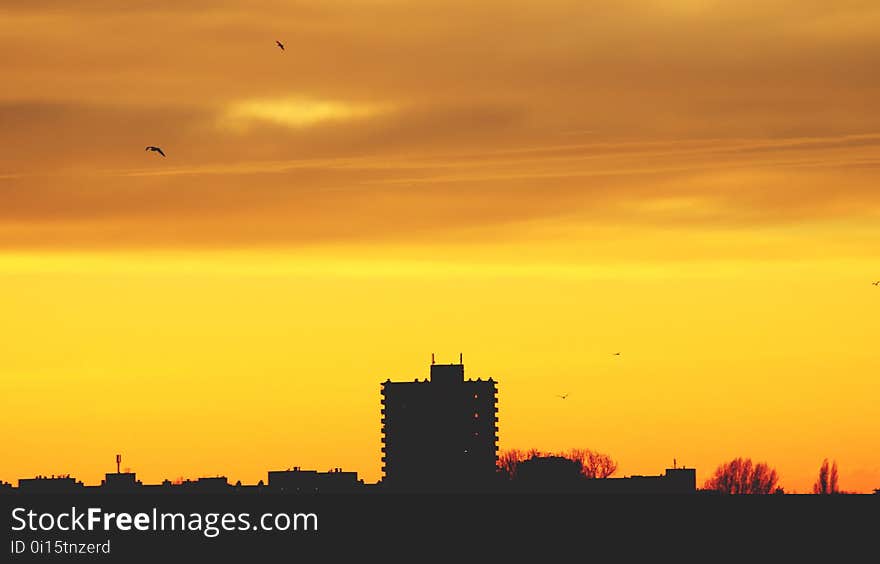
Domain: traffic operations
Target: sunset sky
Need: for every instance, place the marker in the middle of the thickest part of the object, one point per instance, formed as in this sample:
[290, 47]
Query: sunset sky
[692, 183]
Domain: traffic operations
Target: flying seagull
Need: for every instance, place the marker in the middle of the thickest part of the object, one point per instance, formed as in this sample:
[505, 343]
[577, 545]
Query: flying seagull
[156, 149]
[563, 396]
[877, 283]
[281, 45]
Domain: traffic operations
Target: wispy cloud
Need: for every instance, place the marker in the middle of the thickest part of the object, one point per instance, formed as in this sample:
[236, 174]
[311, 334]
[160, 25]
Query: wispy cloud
[382, 114]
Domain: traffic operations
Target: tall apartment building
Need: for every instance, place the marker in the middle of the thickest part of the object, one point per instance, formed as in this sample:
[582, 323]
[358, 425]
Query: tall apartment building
[440, 433]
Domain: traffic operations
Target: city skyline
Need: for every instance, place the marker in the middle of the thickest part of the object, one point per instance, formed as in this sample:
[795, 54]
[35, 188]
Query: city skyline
[540, 185]
[441, 434]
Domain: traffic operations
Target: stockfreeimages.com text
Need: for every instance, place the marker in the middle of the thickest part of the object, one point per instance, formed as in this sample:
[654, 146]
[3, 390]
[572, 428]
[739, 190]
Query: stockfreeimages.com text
[209, 524]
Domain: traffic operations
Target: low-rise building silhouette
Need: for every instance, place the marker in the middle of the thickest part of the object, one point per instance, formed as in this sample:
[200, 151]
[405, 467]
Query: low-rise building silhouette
[561, 474]
[53, 484]
[439, 433]
[672, 481]
[548, 473]
[214, 484]
[120, 482]
[312, 481]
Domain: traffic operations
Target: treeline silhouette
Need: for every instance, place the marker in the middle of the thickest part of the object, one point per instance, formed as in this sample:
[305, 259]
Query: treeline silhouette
[741, 476]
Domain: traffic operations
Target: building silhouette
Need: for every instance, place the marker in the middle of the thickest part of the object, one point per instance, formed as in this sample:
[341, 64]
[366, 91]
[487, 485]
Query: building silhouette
[548, 473]
[50, 484]
[312, 481]
[561, 474]
[120, 481]
[439, 433]
[211, 484]
[672, 481]
[296, 481]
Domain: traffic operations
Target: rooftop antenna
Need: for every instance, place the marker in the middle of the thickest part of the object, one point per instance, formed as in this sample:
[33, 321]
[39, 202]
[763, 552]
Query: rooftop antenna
[432, 358]
[674, 464]
[118, 462]
[460, 358]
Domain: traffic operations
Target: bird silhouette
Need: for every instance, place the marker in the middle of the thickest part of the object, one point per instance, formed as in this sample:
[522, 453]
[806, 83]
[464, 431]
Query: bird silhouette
[563, 396]
[617, 354]
[877, 283]
[156, 149]
[281, 45]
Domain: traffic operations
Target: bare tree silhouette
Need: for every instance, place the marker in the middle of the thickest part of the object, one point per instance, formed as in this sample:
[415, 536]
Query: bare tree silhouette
[508, 462]
[593, 464]
[826, 483]
[741, 476]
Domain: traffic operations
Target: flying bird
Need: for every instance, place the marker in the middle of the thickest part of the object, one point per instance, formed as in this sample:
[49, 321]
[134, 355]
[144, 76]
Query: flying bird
[563, 396]
[281, 45]
[617, 354]
[877, 283]
[156, 149]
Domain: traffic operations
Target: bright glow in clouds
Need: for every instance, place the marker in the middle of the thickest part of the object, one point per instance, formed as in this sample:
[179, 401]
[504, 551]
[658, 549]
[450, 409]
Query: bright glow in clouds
[296, 112]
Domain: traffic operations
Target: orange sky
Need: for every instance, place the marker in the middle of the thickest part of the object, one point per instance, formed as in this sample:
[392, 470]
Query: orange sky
[535, 184]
